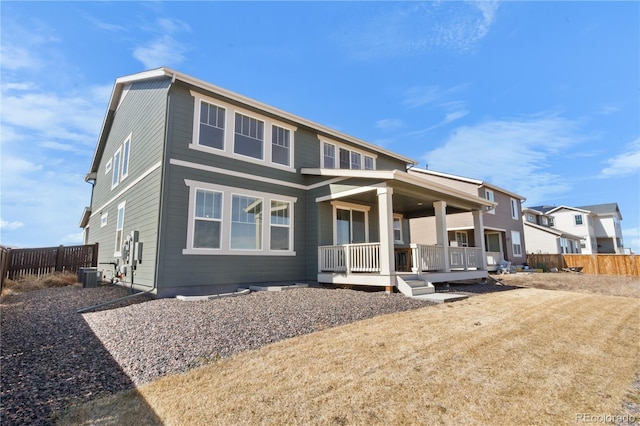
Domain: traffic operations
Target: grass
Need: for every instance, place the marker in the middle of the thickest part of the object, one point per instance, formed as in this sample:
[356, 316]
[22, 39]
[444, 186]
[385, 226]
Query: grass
[527, 356]
[33, 282]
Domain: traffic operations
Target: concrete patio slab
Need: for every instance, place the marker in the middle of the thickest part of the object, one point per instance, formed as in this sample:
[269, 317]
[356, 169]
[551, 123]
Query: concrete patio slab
[441, 297]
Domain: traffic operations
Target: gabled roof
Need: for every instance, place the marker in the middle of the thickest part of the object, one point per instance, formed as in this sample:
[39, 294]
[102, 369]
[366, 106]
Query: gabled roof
[554, 231]
[601, 209]
[558, 208]
[165, 72]
[466, 179]
[544, 209]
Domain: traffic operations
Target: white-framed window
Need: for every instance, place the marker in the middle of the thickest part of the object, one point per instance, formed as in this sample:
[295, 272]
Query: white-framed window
[515, 214]
[551, 221]
[246, 223]
[564, 245]
[397, 229]
[280, 225]
[351, 223]
[119, 230]
[226, 220]
[578, 219]
[107, 167]
[212, 125]
[531, 218]
[544, 220]
[249, 136]
[516, 243]
[489, 195]
[104, 220]
[207, 225]
[126, 147]
[115, 176]
[462, 239]
[336, 156]
[231, 131]
[369, 163]
[280, 145]
[329, 156]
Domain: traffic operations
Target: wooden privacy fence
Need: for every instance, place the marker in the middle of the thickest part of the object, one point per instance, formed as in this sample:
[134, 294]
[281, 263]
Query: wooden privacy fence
[595, 264]
[40, 261]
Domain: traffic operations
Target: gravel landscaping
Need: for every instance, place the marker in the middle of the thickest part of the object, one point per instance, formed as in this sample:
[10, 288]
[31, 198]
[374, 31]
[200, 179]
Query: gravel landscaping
[51, 356]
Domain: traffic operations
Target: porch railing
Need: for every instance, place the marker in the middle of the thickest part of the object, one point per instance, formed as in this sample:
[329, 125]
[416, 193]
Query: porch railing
[465, 258]
[427, 258]
[349, 258]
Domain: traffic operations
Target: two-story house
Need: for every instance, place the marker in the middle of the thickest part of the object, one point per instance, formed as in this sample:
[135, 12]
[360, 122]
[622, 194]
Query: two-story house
[597, 225]
[502, 232]
[200, 190]
[543, 238]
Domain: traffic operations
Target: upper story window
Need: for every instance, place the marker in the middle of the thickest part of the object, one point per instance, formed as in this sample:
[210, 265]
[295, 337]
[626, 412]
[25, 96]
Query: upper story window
[249, 136]
[578, 219]
[531, 218]
[280, 146]
[514, 209]
[231, 131]
[119, 164]
[115, 177]
[544, 220]
[335, 156]
[212, 119]
[125, 158]
[488, 194]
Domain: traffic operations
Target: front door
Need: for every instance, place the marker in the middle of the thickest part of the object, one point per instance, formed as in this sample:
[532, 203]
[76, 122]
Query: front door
[351, 226]
[492, 241]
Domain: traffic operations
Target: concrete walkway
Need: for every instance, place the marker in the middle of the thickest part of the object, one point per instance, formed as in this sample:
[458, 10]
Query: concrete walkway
[441, 297]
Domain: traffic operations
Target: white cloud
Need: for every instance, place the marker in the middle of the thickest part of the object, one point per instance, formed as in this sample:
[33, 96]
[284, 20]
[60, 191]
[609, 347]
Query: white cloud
[164, 49]
[624, 164]
[389, 124]
[631, 239]
[415, 28]
[514, 154]
[10, 226]
[418, 96]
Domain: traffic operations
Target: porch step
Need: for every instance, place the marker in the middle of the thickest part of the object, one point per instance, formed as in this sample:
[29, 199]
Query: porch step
[414, 286]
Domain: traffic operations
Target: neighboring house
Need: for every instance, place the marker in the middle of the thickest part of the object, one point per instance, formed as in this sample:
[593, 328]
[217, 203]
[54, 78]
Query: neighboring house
[543, 238]
[199, 190]
[598, 225]
[502, 230]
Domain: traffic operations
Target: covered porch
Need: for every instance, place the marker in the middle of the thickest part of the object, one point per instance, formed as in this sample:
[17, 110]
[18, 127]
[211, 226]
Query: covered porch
[365, 237]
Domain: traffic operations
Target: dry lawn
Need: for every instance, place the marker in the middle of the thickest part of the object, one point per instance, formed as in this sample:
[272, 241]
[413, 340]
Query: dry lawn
[33, 282]
[526, 356]
[594, 284]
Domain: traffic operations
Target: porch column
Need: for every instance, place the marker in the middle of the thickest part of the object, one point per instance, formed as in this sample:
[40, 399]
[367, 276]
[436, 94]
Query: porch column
[385, 213]
[441, 231]
[478, 234]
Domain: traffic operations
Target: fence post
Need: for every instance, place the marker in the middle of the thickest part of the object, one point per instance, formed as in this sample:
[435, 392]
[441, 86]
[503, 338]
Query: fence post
[59, 254]
[94, 259]
[4, 265]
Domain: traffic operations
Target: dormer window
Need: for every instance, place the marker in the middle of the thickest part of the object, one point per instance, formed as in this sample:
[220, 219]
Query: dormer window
[342, 157]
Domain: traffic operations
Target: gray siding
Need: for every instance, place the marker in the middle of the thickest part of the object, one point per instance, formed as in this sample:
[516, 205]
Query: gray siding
[141, 114]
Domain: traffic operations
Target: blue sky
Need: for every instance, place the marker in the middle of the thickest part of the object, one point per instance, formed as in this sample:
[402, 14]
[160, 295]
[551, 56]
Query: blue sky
[541, 98]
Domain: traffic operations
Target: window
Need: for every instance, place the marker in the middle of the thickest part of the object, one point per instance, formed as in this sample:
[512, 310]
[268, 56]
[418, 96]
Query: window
[211, 125]
[280, 225]
[397, 229]
[280, 145]
[125, 157]
[578, 219]
[531, 218]
[550, 221]
[103, 220]
[356, 161]
[345, 158]
[369, 163]
[249, 137]
[115, 177]
[224, 220]
[461, 239]
[516, 243]
[208, 220]
[107, 167]
[564, 247]
[246, 223]
[488, 194]
[544, 220]
[351, 224]
[514, 209]
[119, 228]
[329, 156]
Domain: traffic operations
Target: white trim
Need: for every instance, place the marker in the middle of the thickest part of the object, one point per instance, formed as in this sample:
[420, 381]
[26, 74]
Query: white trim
[117, 251]
[205, 168]
[514, 204]
[349, 192]
[115, 177]
[104, 220]
[128, 187]
[400, 218]
[126, 152]
[491, 196]
[107, 167]
[225, 236]
[338, 146]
